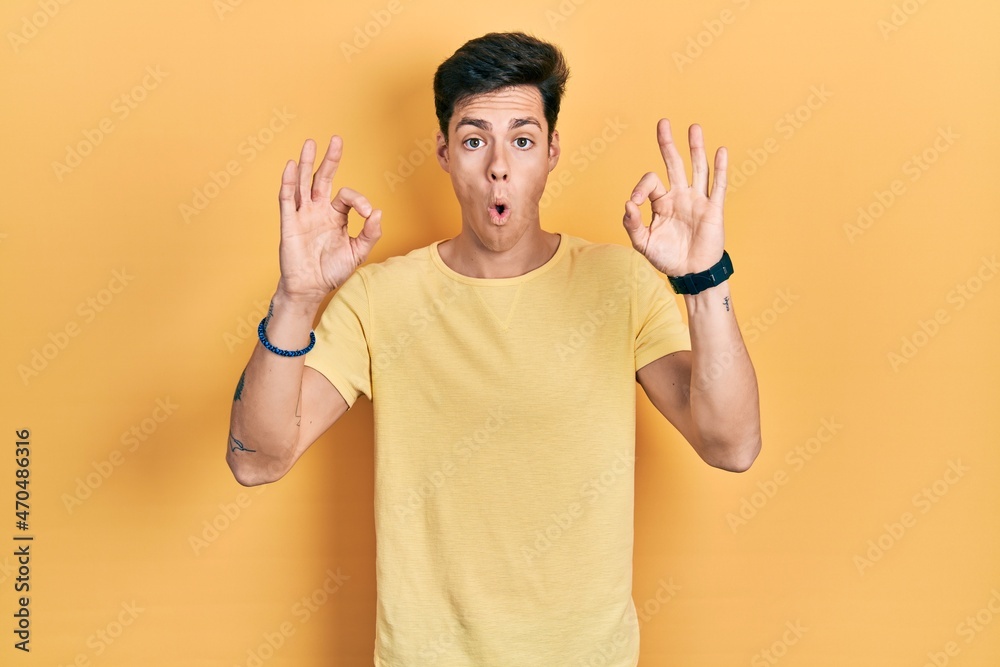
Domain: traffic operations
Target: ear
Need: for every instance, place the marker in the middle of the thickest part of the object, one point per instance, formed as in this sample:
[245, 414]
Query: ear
[442, 152]
[554, 151]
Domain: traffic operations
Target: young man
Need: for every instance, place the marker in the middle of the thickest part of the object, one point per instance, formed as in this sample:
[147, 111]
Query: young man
[501, 365]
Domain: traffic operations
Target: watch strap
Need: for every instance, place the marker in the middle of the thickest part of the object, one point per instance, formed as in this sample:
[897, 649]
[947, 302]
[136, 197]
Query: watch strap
[692, 283]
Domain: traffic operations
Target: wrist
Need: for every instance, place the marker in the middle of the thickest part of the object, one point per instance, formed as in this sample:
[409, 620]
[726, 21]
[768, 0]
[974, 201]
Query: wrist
[295, 303]
[717, 297]
[696, 282]
[289, 321]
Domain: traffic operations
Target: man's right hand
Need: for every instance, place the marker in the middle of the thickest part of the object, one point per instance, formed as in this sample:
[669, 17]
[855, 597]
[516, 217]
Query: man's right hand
[317, 254]
[282, 406]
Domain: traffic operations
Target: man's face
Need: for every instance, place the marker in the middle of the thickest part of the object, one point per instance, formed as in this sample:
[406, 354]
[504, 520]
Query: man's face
[499, 158]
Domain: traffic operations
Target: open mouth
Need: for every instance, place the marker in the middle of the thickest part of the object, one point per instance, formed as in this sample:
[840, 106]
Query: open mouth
[499, 212]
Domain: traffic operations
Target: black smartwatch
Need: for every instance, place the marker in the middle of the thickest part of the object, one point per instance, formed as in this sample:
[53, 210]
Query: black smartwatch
[693, 283]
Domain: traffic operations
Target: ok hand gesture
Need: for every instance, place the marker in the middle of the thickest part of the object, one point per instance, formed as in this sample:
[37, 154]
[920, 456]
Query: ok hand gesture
[685, 234]
[317, 254]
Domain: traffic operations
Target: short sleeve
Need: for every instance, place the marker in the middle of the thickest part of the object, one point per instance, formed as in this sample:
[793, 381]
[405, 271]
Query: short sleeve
[657, 322]
[342, 346]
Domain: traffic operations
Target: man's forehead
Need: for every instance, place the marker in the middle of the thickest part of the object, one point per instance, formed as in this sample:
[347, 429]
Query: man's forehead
[524, 99]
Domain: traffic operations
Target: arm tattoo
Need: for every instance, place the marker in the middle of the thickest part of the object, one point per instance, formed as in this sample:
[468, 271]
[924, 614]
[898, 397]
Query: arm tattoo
[235, 444]
[239, 387]
[724, 301]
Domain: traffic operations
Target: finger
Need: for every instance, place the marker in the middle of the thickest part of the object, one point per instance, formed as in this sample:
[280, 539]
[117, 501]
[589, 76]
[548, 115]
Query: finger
[368, 236]
[637, 231]
[286, 195]
[306, 159]
[347, 199]
[671, 158]
[719, 182]
[699, 162]
[323, 181]
[649, 186]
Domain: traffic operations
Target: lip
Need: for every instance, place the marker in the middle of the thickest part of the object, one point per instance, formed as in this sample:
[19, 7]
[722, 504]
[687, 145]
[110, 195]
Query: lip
[495, 217]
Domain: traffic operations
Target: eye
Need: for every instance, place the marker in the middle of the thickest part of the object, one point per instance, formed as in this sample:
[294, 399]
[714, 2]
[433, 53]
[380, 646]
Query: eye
[523, 142]
[472, 142]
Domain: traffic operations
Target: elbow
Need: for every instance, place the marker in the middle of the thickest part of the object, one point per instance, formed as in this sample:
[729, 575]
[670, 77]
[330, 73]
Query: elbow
[249, 474]
[736, 456]
[248, 477]
[737, 464]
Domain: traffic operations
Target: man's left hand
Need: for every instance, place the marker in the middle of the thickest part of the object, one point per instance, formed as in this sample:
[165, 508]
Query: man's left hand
[685, 235]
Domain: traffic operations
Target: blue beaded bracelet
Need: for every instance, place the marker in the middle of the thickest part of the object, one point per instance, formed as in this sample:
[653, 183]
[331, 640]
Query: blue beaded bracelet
[279, 351]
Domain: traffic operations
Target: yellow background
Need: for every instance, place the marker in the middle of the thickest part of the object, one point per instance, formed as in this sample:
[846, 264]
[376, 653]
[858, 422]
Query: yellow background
[119, 577]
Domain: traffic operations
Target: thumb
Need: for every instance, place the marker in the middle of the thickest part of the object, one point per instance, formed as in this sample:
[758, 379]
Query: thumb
[369, 234]
[632, 221]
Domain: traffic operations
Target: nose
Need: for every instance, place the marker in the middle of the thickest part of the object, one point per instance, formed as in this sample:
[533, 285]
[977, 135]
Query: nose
[498, 166]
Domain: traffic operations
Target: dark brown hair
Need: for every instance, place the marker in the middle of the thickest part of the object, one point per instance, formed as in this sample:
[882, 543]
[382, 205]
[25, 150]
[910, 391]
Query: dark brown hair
[500, 60]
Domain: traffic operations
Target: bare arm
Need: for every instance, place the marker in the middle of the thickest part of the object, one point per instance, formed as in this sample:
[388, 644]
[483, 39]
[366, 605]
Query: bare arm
[710, 393]
[281, 406]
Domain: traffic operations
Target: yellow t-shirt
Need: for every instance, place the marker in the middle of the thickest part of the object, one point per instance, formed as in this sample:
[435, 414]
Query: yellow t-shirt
[504, 450]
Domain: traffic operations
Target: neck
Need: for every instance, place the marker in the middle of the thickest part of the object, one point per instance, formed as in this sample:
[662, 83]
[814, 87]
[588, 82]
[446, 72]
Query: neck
[466, 254]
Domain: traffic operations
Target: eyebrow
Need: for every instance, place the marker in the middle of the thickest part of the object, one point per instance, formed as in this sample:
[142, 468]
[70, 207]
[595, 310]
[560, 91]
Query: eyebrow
[486, 126]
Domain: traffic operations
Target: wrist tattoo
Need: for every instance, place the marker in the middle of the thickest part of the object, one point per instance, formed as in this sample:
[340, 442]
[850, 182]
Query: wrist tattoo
[725, 302]
[236, 445]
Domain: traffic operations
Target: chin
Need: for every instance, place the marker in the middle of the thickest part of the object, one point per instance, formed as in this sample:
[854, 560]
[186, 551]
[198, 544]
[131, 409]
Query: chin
[499, 238]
